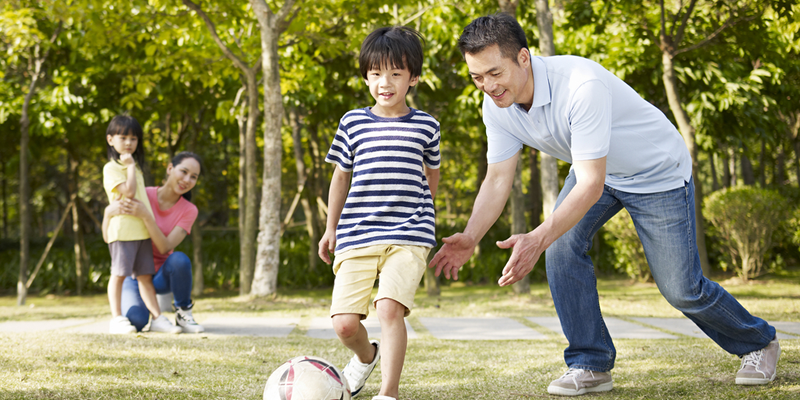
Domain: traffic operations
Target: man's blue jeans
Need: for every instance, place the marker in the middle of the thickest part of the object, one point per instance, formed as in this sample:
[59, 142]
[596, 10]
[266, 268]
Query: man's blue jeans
[665, 223]
[175, 277]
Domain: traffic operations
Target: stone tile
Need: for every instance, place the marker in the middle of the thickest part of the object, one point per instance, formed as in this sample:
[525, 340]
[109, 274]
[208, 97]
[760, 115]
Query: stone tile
[47, 325]
[479, 329]
[686, 327]
[320, 328]
[617, 328]
[249, 326]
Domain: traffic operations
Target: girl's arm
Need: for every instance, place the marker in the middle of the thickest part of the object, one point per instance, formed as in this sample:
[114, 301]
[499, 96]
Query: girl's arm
[128, 188]
[163, 243]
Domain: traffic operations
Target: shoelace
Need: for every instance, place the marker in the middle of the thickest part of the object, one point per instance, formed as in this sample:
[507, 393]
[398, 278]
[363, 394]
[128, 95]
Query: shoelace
[752, 359]
[573, 372]
[187, 316]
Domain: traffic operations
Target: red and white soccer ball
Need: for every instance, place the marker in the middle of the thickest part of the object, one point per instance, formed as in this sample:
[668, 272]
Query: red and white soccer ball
[307, 378]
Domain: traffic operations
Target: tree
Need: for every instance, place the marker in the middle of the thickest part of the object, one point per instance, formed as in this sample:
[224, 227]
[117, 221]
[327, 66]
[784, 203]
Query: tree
[272, 25]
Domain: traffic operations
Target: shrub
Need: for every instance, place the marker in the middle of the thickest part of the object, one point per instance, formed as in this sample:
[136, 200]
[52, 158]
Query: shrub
[747, 218]
[629, 256]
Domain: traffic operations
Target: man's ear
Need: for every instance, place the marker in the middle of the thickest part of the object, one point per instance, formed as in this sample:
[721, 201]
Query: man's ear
[524, 56]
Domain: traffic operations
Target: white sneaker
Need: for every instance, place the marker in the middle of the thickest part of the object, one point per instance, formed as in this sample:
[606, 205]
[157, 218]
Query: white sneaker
[357, 372]
[162, 324]
[185, 320]
[579, 381]
[760, 367]
[121, 325]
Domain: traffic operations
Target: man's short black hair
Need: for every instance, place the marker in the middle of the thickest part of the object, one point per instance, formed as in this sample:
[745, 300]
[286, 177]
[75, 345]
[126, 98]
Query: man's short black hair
[392, 46]
[497, 29]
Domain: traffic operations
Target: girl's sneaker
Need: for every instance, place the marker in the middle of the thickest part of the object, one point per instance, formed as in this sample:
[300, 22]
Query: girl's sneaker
[162, 324]
[185, 320]
[121, 325]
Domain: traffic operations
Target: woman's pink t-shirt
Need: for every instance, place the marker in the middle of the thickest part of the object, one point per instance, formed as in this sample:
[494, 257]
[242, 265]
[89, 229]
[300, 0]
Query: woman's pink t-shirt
[182, 214]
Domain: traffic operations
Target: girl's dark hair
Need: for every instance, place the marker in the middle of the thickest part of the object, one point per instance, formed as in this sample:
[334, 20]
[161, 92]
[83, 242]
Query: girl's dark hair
[395, 46]
[126, 125]
[179, 159]
[496, 29]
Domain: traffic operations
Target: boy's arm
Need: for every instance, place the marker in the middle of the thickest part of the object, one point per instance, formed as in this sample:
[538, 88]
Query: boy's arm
[432, 175]
[128, 188]
[340, 183]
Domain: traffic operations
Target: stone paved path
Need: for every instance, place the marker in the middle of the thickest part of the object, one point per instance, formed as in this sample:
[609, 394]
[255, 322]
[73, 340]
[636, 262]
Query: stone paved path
[487, 328]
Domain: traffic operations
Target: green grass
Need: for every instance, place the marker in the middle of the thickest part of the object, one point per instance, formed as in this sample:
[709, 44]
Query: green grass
[52, 365]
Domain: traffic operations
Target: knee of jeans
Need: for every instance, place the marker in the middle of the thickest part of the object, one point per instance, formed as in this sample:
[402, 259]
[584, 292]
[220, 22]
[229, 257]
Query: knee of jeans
[568, 246]
[180, 261]
[139, 316]
[683, 298]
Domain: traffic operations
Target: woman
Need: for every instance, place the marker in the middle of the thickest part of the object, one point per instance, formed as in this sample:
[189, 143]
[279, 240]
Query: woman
[172, 219]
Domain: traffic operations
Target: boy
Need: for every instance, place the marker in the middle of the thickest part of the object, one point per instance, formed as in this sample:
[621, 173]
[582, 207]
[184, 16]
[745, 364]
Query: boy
[385, 226]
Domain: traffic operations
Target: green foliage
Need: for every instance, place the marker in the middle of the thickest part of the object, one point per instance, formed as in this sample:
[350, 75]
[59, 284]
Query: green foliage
[620, 234]
[747, 218]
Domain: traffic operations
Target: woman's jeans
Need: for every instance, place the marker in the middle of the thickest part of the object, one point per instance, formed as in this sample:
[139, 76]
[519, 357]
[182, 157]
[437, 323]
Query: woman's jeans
[174, 276]
[665, 223]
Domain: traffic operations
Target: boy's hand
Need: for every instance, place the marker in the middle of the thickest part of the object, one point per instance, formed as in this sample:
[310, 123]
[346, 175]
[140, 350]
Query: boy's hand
[326, 246]
[127, 159]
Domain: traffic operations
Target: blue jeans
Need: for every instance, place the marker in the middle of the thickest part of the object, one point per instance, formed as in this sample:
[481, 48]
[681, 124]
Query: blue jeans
[174, 276]
[665, 223]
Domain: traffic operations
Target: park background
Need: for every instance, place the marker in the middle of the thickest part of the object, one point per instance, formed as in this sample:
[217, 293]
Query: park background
[257, 89]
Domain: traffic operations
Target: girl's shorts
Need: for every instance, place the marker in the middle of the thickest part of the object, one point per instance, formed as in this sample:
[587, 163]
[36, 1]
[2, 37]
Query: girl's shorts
[400, 268]
[132, 258]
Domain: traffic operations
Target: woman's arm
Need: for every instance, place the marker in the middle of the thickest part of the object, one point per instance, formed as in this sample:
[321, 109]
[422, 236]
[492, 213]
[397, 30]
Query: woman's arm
[163, 243]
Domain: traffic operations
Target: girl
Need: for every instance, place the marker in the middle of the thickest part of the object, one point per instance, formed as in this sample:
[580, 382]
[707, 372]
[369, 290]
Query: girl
[172, 219]
[128, 239]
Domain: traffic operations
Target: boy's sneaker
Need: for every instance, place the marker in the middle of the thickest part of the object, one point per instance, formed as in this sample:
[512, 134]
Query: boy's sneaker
[760, 367]
[579, 381]
[121, 325]
[357, 372]
[162, 324]
[184, 319]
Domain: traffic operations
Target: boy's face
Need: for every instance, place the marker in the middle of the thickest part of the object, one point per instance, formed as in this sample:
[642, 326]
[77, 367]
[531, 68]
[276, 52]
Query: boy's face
[388, 86]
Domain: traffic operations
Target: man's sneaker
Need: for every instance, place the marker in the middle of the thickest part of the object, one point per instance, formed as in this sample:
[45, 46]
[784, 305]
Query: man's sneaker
[357, 372]
[184, 319]
[579, 381]
[162, 324]
[759, 367]
[121, 325]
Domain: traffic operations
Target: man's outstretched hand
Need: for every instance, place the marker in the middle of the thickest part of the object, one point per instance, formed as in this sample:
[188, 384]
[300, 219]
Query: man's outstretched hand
[455, 252]
[526, 250]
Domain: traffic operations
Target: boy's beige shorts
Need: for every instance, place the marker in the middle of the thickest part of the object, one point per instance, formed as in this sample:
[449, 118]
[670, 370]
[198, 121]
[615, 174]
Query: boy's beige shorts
[399, 267]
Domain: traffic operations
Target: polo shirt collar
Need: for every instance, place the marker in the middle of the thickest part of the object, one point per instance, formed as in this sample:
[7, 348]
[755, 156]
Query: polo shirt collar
[541, 85]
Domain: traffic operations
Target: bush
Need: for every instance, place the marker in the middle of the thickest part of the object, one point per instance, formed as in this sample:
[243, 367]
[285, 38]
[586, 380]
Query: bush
[746, 219]
[629, 256]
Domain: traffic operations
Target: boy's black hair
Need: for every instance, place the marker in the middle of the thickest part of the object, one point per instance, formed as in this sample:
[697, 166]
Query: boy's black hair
[179, 159]
[497, 29]
[126, 125]
[392, 46]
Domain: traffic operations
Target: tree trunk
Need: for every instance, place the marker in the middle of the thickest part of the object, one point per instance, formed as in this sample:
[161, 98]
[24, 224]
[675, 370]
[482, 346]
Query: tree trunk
[197, 259]
[303, 181]
[77, 234]
[534, 202]
[24, 202]
[265, 278]
[762, 167]
[549, 164]
[5, 200]
[518, 224]
[248, 241]
[748, 177]
[714, 179]
[687, 131]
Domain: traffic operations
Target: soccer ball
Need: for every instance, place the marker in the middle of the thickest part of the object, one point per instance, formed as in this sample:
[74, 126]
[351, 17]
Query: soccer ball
[307, 378]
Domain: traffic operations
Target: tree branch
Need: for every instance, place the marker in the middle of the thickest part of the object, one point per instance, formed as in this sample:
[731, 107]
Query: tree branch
[730, 22]
[213, 29]
[684, 21]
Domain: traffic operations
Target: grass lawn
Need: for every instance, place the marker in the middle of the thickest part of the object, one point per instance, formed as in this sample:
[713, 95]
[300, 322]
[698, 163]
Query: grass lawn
[52, 365]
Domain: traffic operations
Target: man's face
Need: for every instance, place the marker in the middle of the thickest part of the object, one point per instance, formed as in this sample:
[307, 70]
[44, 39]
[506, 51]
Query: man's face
[505, 81]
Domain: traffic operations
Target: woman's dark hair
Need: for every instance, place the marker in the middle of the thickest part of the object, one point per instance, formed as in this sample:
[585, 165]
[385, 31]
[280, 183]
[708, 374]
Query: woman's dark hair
[178, 159]
[126, 125]
[496, 29]
[392, 46]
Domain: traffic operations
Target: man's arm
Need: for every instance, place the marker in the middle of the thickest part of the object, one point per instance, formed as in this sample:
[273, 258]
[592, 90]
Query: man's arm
[527, 248]
[340, 183]
[489, 203]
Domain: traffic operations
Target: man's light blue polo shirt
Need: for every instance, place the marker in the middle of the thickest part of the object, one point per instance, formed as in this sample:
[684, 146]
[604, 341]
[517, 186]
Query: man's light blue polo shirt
[581, 111]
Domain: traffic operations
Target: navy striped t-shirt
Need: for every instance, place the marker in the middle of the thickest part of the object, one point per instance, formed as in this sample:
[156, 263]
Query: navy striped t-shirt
[389, 201]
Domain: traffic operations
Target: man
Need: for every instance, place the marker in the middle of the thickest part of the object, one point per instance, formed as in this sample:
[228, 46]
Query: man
[624, 153]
